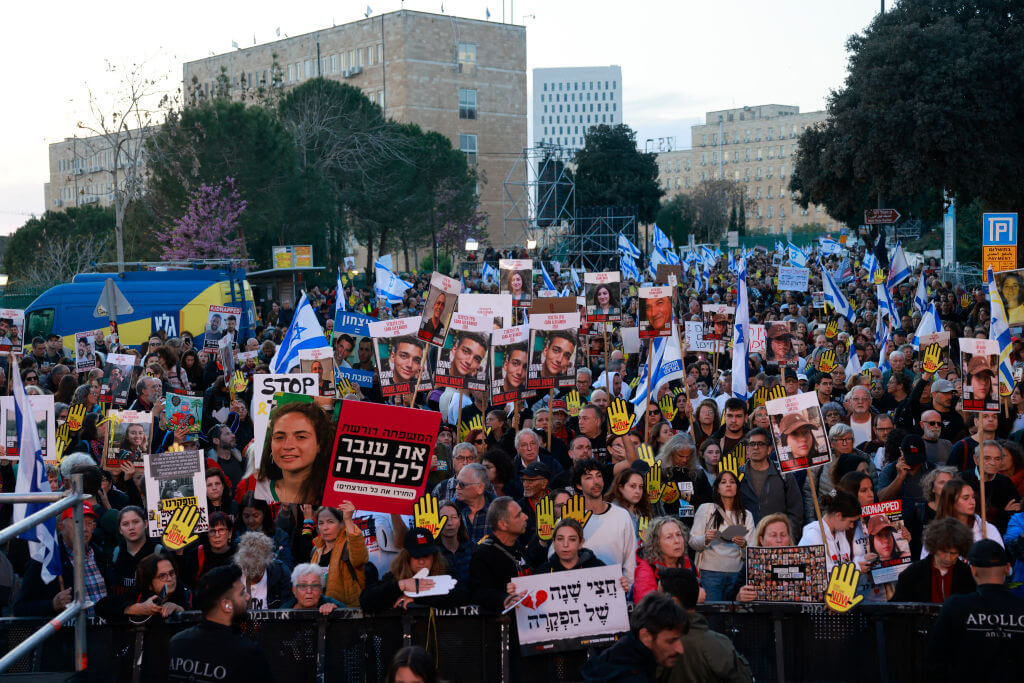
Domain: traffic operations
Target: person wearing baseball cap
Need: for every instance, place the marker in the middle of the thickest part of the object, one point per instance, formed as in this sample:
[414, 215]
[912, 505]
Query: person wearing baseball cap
[535, 478]
[902, 479]
[943, 401]
[39, 598]
[980, 636]
[420, 550]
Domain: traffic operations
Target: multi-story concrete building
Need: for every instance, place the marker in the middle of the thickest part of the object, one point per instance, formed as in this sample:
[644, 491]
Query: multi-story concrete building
[81, 169]
[754, 146]
[463, 78]
[568, 102]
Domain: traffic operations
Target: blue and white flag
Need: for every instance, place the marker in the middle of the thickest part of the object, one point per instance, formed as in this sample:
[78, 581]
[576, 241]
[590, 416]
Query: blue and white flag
[339, 297]
[853, 363]
[921, 295]
[627, 248]
[667, 365]
[870, 264]
[575, 278]
[835, 298]
[489, 274]
[660, 239]
[671, 257]
[1000, 331]
[779, 248]
[732, 263]
[796, 257]
[657, 258]
[886, 306]
[830, 247]
[741, 333]
[42, 539]
[548, 283]
[388, 285]
[882, 344]
[304, 333]
[629, 268]
[930, 324]
[708, 257]
[899, 270]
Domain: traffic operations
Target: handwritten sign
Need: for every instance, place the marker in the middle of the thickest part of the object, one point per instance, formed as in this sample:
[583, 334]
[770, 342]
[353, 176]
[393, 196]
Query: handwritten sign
[793, 279]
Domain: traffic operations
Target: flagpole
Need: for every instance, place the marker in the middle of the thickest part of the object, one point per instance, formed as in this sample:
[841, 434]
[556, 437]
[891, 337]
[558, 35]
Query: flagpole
[551, 415]
[682, 359]
[458, 428]
[416, 385]
[650, 369]
[604, 329]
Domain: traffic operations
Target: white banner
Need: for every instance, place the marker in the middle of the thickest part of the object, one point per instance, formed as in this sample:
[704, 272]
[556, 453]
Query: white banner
[793, 279]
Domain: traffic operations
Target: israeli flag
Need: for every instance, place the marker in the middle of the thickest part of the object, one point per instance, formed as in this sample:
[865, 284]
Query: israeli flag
[548, 284]
[667, 365]
[339, 298]
[882, 343]
[575, 278]
[853, 364]
[930, 324]
[921, 295]
[830, 247]
[657, 258]
[42, 539]
[796, 257]
[886, 305]
[304, 333]
[388, 285]
[661, 240]
[870, 264]
[489, 274]
[899, 269]
[1000, 331]
[707, 257]
[671, 257]
[629, 269]
[741, 332]
[627, 248]
[732, 263]
[835, 298]
[779, 248]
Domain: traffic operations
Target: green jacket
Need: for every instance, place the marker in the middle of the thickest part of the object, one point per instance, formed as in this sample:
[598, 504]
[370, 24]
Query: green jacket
[708, 657]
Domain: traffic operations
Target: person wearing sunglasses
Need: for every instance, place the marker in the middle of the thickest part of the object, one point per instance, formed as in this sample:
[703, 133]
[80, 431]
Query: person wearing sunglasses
[763, 489]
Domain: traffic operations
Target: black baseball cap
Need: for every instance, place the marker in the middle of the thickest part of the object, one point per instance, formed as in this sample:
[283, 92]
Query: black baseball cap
[419, 542]
[790, 374]
[913, 449]
[536, 470]
[987, 553]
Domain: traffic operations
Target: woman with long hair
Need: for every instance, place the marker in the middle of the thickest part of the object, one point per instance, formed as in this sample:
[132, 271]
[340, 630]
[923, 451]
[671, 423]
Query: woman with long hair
[218, 494]
[660, 434]
[679, 465]
[156, 573]
[706, 422]
[957, 500]
[193, 368]
[339, 548]
[66, 389]
[710, 455]
[412, 664]
[256, 516]
[629, 492]
[419, 551]
[716, 538]
[175, 377]
[664, 546]
[569, 552]
[478, 438]
[456, 548]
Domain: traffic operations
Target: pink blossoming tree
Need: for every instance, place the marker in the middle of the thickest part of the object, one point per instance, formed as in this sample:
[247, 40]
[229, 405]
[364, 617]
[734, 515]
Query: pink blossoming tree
[210, 228]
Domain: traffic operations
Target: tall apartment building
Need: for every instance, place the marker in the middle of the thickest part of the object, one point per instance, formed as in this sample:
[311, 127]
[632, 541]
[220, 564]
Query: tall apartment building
[568, 102]
[80, 170]
[754, 146]
[463, 78]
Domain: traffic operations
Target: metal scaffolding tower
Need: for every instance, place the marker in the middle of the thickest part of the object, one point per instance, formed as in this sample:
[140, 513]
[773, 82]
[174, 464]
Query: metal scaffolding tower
[539, 201]
[594, 245]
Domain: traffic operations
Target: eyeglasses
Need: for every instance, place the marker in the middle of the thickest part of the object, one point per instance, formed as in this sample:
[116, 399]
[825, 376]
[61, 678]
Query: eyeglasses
[166, 576]
[218, 530]
[464, 484]
[31, 378]
[464, 458]
[757, 444]
[478, 441]
[307, 586]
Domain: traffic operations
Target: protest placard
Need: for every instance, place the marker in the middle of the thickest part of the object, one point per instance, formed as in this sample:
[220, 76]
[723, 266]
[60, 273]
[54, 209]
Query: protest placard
[498, 307]
[85, 351]
[793, 279]
[516, 279]
[184, 412]
[757, 342]
[220, 320]
[381, 456]
[787, 574]
[401, 356]
[656, 311]
[174, 479]
[603, 297]
[12, 330]
[462, 360]
[801, 440]
[979, 360]
[695, 338]
[553, 342]
[817, 299]
[1010, 284]
[119, 373]
[130, 432]
[509, 364]
[718, 319]
[319, 362]
[883, 526]
[781, 352]
[353, 342]
[571, 610]
[437, 311]
[264, 387]
[46, 426]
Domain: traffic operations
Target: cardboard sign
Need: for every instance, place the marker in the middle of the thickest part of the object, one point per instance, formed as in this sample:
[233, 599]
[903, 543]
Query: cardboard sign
[46, 426]
[793, 279]
[667, 271]
[175, 479]
[12, 330]
[85, 351]
[510, 361]
[220, 320]
[359, 365]
[401, 356]
[1011, 290]
[319, 362]
[462, 360]
[132, 431]
[603, 297]
[789, 574]
[552, 304]
[979, 362]
[183, 412]
[554, 340]
[758, 340]
[883, 525]
[516, 279]
[498, 307]
[381, 456]
[264, 387]
[119, 373]
[718, 321]
[571, 610]
[695, 341]
[656, 305]
[441, 298]
[801, 440]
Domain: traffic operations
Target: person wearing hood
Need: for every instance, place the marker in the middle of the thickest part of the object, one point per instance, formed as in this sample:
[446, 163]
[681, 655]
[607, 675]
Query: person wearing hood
[569, 551]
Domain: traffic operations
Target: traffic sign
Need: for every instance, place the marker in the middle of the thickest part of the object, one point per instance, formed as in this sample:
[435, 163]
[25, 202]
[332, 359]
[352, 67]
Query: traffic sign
[999, 229]
[112, 302]
[881, 216]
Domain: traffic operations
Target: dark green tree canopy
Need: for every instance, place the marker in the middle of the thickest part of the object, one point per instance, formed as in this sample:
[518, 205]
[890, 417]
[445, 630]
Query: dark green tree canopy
[611, 171]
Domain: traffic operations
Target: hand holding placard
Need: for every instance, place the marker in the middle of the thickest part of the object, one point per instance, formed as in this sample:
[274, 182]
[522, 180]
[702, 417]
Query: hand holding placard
[670, 493]
[827, 361]
[573, 404]
[831, 328]
[653, 482]
[731, 464]
[668, 407]
[576, 508]
[645, 453]
[546, 518]
[932, 361]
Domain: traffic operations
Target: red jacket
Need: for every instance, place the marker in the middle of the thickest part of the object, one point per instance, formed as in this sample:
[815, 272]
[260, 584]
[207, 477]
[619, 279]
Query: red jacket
[645, 579]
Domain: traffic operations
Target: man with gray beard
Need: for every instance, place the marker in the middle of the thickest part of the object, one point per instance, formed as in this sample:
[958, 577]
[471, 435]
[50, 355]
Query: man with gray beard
[936, 448]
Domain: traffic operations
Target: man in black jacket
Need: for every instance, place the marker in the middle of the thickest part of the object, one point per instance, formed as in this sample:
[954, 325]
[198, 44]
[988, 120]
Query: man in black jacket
[980, 636]
[213, 651]
[497, 559]
[942, 573]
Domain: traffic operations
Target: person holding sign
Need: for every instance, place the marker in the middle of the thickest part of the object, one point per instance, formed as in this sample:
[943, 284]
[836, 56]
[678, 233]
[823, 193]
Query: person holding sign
[720, 533]
[420, 551]
[839, 513]
[296, 457]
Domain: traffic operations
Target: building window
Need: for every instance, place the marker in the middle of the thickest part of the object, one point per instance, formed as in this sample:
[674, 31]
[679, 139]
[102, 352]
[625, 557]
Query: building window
[467, 144]
[380, 52]
[467, 104]
[309, 68]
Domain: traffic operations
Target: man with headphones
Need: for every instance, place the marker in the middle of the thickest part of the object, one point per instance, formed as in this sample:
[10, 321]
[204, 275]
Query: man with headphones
[213, 651]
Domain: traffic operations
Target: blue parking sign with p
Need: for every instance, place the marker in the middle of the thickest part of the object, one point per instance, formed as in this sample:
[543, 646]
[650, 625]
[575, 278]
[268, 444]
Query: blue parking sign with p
[999, 229]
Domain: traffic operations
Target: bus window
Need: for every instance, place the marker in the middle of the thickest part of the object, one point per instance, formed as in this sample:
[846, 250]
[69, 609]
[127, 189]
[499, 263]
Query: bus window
[39, 324]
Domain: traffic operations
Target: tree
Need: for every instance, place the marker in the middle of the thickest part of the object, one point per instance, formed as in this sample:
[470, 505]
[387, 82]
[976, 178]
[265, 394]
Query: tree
[712, 201]
[611, 171]
[58, 245]
[677, 218]
[209, 229]
[933, 102]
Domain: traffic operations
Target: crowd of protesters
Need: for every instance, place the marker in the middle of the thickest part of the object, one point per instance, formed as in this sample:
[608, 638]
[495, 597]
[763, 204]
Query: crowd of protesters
[897, 432]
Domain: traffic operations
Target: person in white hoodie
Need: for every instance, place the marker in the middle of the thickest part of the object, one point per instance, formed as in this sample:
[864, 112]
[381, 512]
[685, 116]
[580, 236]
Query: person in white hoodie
[839, 513]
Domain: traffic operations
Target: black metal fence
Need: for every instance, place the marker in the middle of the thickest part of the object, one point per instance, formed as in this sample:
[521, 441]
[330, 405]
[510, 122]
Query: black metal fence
[782, 642]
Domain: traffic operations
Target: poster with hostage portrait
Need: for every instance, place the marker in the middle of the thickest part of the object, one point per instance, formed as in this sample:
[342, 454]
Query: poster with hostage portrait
[779, 344]
[174, 479]
[12, 329]
[718, 321]
[1010, 284]
[441, 298]
[603, 293]
[85, 351]
[510, 360]
[353, 348]
[801, 440]
[787, 574]
[462, 361]
[119, 374]
[129, 440]
[220, 320]
[554, 340]
[516, 279]
[319, 362]
[887, 549]
[656, 305]
[979, 361]
[46, 427]
[401, 356]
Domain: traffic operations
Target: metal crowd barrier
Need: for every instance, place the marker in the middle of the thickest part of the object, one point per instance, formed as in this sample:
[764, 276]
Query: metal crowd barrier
[782, 643]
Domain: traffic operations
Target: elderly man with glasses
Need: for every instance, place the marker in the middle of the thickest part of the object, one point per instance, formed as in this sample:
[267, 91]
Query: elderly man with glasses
[308, 588]
[463, 454]
[472, 499]
[763, 488]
